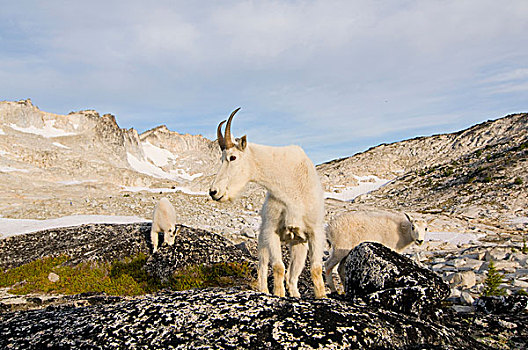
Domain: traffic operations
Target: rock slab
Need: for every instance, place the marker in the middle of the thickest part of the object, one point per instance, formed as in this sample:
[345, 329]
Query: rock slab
[384, 278]
[223, 319]
[512, 304]
[193, 247]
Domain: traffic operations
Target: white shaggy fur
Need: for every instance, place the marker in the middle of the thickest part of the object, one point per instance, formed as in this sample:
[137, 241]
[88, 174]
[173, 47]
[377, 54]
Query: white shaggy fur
[395, 230]
[293, 211]
[164, 221]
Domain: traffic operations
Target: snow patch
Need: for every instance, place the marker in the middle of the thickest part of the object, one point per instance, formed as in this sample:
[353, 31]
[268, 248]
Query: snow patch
[157, 155]
[60, 145]
[12, 227]
[2, 132]
[145, 167]
[8, 169]
[74, 182]
[164, 190]
[148, 168]
[366, 184]
[185, 175]
[3, 153]
[453, 237]
[49, 130]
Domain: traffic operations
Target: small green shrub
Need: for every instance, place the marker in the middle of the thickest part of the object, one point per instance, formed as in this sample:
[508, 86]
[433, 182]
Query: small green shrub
[471, 179]
[518, 181]
[492, 282]
[448, 172]
[524, 248]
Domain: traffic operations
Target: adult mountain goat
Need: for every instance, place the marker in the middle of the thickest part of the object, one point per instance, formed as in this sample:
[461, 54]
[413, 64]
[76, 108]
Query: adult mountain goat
[395, 230]
[293, 211]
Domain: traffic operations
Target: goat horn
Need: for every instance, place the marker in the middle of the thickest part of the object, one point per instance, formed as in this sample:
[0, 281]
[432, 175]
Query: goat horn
[228, 141]
[221, 140]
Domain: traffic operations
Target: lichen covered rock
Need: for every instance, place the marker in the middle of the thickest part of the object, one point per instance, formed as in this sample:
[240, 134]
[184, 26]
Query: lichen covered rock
[384, 278]
[511, 304]
[92, 242]
[193, 247]
[222, 319]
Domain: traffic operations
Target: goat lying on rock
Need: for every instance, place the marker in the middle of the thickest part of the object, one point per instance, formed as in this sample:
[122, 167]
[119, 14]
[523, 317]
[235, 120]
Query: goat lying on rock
[163, 221]
[394, 230]
[293, 211]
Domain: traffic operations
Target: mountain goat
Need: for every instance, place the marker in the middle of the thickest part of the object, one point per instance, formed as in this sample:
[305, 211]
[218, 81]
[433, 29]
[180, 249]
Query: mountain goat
[293, 211]
[163, 221]
[396, 231]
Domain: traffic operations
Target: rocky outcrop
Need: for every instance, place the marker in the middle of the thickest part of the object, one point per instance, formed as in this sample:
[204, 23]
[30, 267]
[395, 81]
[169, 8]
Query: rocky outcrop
[392, 160]
[485, 181]
[218, 318]
[192, 247]
[386, 279]
[196, 158]
[95, 242]
[223, 319]
[512, 304]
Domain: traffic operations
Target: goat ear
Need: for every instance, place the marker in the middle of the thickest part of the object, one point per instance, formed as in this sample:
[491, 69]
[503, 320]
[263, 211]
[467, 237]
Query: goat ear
[242, 143]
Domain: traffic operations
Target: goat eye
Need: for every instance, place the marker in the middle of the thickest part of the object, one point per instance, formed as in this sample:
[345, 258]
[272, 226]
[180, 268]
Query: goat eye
[232, 158]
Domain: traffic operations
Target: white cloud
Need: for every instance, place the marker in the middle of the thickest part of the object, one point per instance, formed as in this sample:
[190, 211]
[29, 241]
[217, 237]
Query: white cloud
[516, 74]
[323, 70]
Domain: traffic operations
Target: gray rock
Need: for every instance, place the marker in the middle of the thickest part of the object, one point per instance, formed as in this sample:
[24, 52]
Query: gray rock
[471, 264]
[249, 233]
[520, 284]
[511, 304]
[223, 319]
[466, 298]
[496, 254]
[463, 308]
[53, 277]
[101, 242]
[193, 247]
[464, 279]
[384, 278]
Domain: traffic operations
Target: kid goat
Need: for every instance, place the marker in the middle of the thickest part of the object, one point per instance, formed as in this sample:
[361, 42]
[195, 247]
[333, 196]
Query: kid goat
[394, 230]
[293, 211]
[163, 221]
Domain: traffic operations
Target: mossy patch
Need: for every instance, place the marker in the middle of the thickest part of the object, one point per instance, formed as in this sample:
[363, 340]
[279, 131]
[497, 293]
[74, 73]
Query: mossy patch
[223, 274]
[126, 277]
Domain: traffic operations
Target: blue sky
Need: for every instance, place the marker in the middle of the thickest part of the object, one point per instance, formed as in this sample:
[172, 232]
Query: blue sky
[335, 77]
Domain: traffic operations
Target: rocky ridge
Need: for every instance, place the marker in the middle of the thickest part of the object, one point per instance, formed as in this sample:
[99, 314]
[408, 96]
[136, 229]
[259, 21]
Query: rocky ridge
[202, 318]
[390, 161]
[486, 181]
[46, 157]
[86, 164]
